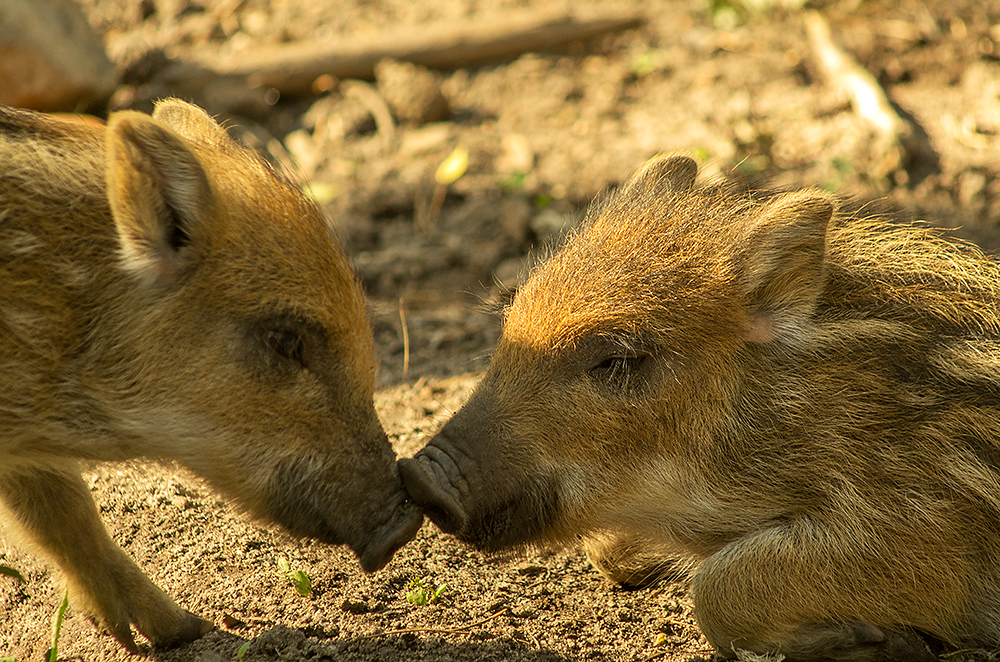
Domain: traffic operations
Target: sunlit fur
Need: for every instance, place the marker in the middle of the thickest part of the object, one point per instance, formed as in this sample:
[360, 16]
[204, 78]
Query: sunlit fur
[141, 267]
[815, 428]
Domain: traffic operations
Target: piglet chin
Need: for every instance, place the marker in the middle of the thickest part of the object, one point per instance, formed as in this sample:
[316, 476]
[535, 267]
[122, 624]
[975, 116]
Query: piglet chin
[378, 550]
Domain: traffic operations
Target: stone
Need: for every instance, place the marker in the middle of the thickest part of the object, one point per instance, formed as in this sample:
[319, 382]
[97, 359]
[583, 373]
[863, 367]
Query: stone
[50, 57]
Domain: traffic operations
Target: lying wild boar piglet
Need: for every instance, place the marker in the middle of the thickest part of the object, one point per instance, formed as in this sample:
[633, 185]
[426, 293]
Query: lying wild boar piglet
[164, 294]
[802, 407]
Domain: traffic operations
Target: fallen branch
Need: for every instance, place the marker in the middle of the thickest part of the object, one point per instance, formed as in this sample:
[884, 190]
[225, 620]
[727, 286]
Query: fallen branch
[869, 100]
[292, 68]
[368, 96]
[406, 339]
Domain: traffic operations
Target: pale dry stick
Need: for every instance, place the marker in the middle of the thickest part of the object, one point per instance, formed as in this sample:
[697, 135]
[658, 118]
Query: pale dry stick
[293, 68]
[224, 15]
[964, 132]
[373, 102]
[426, 211]
[659, 654]
[868, 98]
[448, 172]
[533, 638]
[462, 630]
[406, 338]
[428, 219]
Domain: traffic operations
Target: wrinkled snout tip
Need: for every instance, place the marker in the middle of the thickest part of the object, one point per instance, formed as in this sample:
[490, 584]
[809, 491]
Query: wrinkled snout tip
[433, 492]
[390, 537]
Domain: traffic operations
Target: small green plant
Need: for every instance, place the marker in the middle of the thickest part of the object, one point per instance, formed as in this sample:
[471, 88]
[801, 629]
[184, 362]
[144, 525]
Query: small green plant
[448, 172]
[513, 181]
[542, 200]
[701, 153]
[419, 593]
[649, 61]
[725, 14]
[728, 14]
[843, 169]
[8, 659]
[299, 579]
[52, 655]
[843, 166]
[242, 650]
[10, 572]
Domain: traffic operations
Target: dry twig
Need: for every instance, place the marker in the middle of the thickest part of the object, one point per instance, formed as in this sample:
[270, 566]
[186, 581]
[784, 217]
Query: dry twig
[373, 102]
[899, 137]
[293, 68]
[406, 338]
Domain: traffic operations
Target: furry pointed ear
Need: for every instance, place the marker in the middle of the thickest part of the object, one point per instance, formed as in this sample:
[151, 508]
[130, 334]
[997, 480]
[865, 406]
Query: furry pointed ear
[663, 175]
[783, 268]
[191, 122]
[159, 196]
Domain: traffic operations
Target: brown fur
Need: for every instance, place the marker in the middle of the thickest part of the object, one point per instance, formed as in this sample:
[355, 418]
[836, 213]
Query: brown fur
[802, 407]
[166, 295]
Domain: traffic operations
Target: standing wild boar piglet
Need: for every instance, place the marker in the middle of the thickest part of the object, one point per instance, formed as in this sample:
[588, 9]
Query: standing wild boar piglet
[164, 294]
[804, 408]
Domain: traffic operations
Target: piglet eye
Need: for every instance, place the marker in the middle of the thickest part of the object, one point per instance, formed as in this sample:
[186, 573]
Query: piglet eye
[617, 367]
[286, 343]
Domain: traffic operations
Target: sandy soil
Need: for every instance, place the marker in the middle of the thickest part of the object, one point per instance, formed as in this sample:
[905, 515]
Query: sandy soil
[546, 132]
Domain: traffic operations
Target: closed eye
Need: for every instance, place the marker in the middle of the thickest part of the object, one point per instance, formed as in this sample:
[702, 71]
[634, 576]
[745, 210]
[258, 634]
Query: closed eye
[618, 367]
[285, 343]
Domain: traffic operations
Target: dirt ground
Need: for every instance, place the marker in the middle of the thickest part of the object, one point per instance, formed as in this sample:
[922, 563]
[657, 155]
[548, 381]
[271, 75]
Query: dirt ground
[733, 83]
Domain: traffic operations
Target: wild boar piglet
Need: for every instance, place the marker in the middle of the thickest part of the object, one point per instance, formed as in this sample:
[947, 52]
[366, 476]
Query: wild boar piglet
[799, 407]
[164, 294]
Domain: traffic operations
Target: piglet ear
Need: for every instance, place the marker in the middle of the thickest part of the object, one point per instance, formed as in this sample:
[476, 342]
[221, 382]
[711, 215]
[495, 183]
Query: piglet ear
[782, 271]
[663, 175]
[159, 196]
[191, 122]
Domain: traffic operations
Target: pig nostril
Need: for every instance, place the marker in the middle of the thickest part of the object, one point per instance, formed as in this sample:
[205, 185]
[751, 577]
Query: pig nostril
[432, 492]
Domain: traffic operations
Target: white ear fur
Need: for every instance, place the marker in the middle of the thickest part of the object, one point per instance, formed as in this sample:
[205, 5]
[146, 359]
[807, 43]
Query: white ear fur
[158, 193]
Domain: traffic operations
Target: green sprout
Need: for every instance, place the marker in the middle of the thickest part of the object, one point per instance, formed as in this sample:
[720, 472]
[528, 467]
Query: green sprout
[52, 655]
[422, 594]
[299, 579]
[649, 61]
[11, 572]
[514, 180]
[448, 172]
[542, 200]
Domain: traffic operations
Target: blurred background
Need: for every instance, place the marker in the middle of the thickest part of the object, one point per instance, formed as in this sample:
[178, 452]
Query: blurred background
[449, 140]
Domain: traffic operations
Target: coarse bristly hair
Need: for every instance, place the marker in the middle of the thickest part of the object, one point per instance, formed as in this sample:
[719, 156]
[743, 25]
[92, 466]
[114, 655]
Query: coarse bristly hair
[165, 294]
[800, 405]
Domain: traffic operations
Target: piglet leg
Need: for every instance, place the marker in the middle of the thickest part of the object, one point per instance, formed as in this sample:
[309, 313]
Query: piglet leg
[53, 510]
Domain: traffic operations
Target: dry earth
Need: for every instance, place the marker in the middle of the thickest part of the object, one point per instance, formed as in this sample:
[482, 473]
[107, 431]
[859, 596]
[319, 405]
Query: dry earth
[735, 84]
